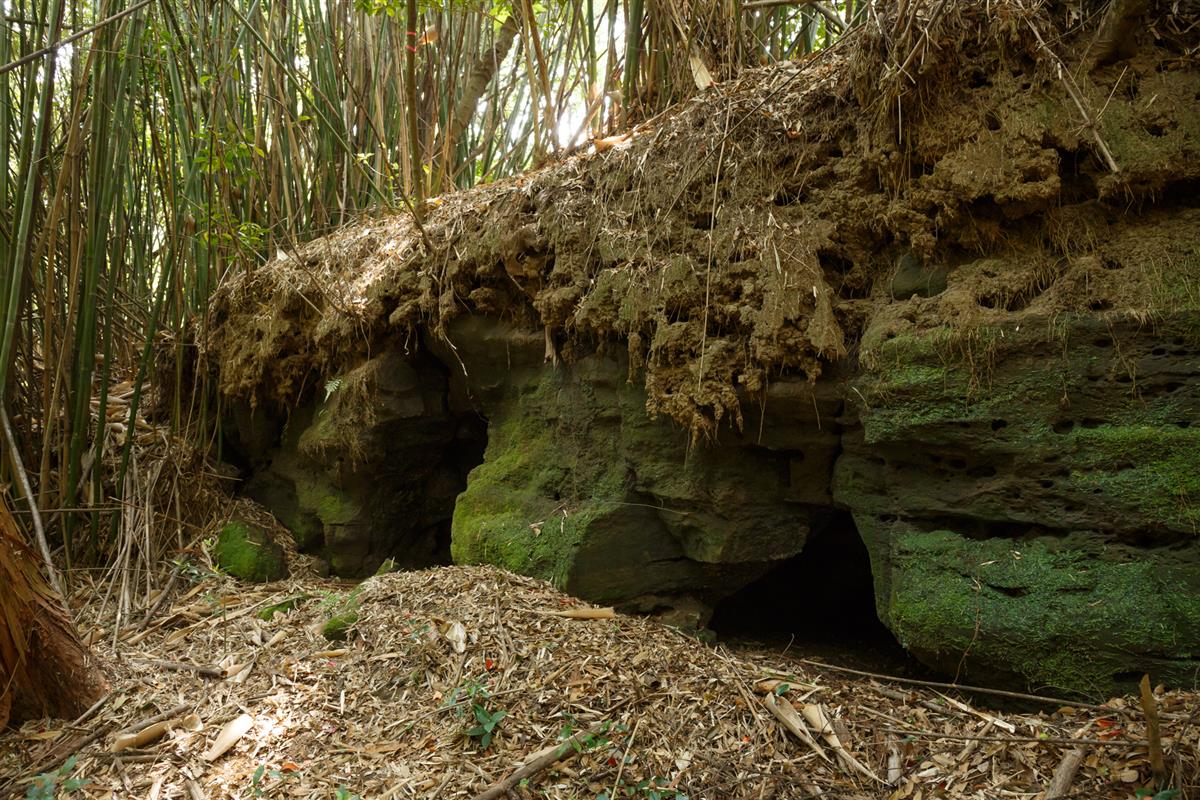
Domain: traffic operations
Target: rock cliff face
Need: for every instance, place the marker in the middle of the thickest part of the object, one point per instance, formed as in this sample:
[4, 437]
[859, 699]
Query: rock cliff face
[579, 485]
[1032, 511]
[370, 468]
[650, 373]
[1030, 497]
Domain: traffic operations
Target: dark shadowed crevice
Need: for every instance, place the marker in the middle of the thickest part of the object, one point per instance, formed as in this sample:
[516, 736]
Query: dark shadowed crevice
[818, 605]
[455, 463]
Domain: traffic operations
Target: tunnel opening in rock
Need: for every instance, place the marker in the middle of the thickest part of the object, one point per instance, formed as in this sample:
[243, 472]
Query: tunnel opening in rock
[452, 464]
[819, 604]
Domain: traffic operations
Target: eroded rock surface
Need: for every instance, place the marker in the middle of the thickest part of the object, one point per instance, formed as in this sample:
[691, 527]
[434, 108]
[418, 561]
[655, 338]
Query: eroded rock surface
[369, 468]
[1032, 509]
[579, 485]
[972, 323]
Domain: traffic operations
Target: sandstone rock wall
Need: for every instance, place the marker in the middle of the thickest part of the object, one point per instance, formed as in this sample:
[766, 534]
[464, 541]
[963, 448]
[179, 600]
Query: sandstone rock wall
[929, 276]
[1030, 496]
[1033, 509]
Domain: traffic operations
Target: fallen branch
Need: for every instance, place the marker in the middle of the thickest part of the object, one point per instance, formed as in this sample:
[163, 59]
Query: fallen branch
[170, 713]
[958, 687]
[62, 750]
[585, 613]
[904, 697]
[162, 598]
[625, 758]
[180, 666]
[538, 762]
[958, 737]
[1064, 774]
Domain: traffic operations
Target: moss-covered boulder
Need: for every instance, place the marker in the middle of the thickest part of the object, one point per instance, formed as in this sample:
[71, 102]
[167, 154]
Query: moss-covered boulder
[370, 467]
[580, 486]
[246, 551]
[1030, 495]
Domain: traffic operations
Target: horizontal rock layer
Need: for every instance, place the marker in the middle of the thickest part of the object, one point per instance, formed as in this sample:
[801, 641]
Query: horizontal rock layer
[1030, 498]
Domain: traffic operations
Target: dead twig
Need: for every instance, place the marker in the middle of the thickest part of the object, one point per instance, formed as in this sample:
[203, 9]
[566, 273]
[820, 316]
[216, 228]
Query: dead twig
[162, 598]
[14, 454]
[180, 666]
[959, 687]
[1064, 75]
[538, 762]
[1064, 775]
[962, 737]
[1153, 733]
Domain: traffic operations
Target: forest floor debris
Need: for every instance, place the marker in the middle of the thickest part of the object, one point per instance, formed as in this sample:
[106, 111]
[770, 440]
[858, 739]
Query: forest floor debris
[470, 682]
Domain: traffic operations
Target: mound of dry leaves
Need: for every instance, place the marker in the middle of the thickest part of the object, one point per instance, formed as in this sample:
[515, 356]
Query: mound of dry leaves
[464, 682]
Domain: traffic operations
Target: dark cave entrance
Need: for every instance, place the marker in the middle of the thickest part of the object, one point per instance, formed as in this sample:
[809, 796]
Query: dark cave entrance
[818, 605]
[448, 480]
[383, 486]
[414, 483]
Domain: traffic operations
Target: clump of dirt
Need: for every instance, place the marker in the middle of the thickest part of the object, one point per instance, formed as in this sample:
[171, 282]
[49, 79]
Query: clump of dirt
[757, 229]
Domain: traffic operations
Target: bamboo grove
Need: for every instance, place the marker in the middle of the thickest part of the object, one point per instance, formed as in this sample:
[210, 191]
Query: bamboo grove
[147, 148]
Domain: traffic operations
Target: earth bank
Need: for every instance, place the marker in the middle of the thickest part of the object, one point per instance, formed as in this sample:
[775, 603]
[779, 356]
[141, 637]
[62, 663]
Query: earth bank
[648, 374]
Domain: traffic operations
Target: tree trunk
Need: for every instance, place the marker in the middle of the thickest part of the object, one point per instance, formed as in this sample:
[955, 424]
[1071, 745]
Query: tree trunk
[481, 74]
[45, 670]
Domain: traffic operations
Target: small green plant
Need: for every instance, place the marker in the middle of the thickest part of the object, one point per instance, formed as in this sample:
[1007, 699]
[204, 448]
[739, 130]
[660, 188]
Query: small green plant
[342, 793]
[472, 693]
[331, 387]
[590, 741]
[256, 780]
[283, 607]
[343, 614]
[191, 572]
[488, 720]
[1165, 794]
[53, 784]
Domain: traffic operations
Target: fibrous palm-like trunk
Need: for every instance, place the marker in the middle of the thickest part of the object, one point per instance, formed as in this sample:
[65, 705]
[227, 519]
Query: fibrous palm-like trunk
[45, 670]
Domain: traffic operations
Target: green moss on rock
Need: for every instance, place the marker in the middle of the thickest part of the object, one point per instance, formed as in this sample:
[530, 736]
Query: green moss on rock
[283, 607]
[580, 487]
[338, 627]
[1151, 469]
[1043, 613]
[509, 516]
[245, 551]
[1032, 504]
